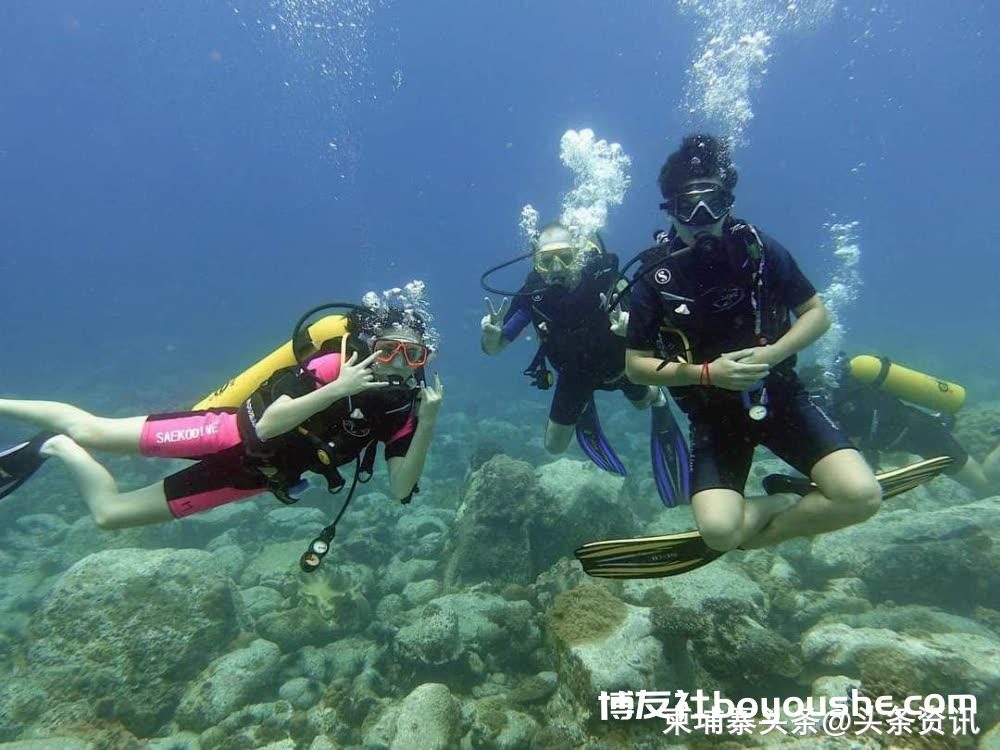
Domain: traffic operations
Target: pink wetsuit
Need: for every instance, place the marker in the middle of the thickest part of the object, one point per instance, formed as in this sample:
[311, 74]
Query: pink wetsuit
[213, 439]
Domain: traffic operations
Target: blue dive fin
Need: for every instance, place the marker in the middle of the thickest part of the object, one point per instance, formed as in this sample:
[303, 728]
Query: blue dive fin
[592, 441]
[669, 454]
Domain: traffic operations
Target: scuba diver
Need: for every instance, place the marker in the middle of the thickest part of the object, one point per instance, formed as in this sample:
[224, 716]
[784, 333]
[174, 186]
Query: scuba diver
[871, 397]
[565, 299]
[330, 406]
[710, 318]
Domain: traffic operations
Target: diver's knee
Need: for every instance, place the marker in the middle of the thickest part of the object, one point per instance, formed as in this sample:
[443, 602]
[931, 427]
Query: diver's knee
[860, 498]
[721, 536]
[83, 431]
[107, 521]
[555, 445]
[557, 437]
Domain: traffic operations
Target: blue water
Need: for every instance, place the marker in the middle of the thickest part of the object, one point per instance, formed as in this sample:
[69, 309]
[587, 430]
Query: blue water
[171, 201]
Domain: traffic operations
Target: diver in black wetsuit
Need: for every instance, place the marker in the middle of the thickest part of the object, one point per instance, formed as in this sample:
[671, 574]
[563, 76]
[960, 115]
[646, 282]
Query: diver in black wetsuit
[880, 422]
[565, 298]
[711, 318]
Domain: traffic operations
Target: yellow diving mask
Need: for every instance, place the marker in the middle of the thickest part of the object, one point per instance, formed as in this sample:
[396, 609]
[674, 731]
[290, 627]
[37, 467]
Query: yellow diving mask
[555, 257]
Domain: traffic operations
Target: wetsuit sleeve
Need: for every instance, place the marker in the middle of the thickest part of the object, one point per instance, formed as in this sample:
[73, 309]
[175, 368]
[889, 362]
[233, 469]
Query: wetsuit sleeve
[287, 381]
[398, 439]
[792, 286]
[517, 317]
[644, 317]
[326, 367]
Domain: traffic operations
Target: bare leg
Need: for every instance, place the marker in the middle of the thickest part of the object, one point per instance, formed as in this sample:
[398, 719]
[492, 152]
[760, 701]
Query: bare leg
[653, 397]
[558, 437]
[991, 467]
[974, 478]
[848, 494]
[725, 518]
[93, 432]
[109, 508]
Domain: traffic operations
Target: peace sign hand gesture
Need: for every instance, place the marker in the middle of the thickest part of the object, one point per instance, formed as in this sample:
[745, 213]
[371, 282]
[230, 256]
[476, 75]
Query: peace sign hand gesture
[492, 322]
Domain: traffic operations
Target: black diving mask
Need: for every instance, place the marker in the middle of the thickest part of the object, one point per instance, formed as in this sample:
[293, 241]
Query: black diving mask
[701, 204]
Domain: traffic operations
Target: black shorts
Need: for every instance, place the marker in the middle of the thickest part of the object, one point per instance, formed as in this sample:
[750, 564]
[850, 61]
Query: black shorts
[213, 481]
[573, 393]
[924, 435]
[723, 439]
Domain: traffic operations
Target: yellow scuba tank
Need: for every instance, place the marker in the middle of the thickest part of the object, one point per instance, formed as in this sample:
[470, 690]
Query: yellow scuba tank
[909, 385]
[236, 391]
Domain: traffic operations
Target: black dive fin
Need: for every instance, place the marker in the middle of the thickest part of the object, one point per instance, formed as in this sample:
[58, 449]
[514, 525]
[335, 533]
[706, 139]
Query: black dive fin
[17, 464]
[673, 554]
[592, 441]
[668, 451]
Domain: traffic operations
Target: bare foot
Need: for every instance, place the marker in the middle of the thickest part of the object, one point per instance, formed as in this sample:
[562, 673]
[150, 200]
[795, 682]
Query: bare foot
[760, 511]
[55, 445]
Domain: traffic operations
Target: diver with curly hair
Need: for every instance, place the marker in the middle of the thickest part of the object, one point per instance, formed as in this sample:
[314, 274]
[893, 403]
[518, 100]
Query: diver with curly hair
[565, 299]
[352, 392]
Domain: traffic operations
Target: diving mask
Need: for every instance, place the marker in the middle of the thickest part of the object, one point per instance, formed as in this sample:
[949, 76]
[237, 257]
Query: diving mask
[700, 204]
[555, 257]
[386, 350]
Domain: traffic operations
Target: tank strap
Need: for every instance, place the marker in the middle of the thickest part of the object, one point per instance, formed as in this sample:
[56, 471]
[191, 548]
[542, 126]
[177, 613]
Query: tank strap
[883, 372]
[367, 466]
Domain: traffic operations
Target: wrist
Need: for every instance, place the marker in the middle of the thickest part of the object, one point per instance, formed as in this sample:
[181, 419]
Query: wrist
[705, 374]
[686, 374]
[491, 342]
[776, 353]
[336, 390]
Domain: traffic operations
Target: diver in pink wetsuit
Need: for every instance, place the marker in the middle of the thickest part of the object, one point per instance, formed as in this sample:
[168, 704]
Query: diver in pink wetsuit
[356, 391]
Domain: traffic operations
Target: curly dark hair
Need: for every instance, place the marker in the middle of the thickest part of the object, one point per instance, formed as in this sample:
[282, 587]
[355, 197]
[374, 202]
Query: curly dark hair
[699, 155]
[366, 322]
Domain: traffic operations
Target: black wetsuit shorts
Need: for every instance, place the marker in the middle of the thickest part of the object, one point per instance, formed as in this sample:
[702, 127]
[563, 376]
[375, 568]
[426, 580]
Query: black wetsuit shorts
[723, 439]
[573, 393]
[924, 435]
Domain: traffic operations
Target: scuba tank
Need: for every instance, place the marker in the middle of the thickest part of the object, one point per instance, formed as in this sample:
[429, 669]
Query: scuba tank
[909, 385]
[237, 390]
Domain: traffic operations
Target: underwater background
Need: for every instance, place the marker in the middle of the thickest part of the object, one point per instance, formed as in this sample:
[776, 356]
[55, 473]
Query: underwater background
[181, 180]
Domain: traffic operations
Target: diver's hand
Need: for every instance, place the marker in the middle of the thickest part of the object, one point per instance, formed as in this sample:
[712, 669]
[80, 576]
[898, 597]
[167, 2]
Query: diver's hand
[430, 398]
[354, 376]
[492, 325]
[492, 322]
[757, 355]
[732, 372]
[618, 318]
